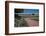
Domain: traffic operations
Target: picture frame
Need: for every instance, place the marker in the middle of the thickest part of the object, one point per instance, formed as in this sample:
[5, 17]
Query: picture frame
[9, 17]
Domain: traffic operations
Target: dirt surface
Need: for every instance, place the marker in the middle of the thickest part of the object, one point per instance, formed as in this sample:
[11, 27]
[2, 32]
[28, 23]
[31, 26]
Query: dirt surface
[31, 22]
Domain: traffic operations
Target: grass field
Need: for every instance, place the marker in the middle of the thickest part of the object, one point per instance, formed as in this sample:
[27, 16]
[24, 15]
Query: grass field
[20, 22]
[35, 18]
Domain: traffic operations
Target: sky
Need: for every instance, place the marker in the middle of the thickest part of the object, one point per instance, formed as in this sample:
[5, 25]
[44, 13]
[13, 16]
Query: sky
[30, 11]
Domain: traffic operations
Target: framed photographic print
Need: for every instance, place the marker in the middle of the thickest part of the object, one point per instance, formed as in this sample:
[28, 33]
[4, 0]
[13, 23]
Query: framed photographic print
[24, 17]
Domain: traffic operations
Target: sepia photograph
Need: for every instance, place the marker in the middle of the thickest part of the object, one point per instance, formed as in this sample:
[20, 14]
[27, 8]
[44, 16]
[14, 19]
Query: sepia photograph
[26, 17]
